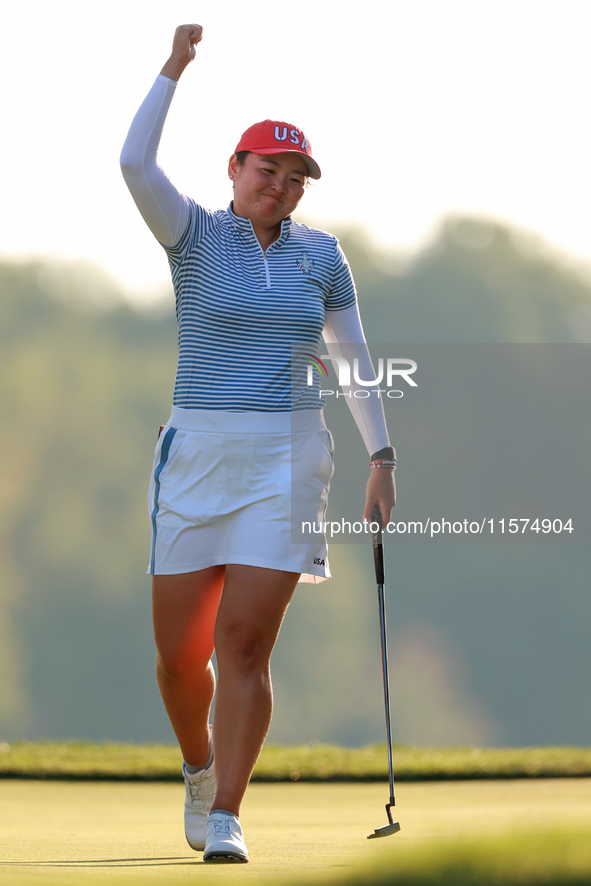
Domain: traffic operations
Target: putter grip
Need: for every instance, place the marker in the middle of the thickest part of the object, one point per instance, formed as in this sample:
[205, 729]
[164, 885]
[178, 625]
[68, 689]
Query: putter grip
[378, 546]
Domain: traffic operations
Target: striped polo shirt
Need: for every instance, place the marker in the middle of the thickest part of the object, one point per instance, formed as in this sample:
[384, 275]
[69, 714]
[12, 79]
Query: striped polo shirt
[242, 313]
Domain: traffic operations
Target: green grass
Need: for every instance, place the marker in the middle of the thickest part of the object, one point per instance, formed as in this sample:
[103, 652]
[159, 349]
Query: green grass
[532, 832]
[529, 860]
[82, 760]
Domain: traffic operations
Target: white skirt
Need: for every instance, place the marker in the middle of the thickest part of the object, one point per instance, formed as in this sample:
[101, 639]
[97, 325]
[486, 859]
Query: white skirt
[241, 487]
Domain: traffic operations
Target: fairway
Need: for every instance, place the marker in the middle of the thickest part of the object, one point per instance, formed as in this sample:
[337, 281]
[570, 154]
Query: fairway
[78, 833]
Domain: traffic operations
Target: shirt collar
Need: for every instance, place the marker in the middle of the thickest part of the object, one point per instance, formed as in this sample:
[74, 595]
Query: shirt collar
[245, 228]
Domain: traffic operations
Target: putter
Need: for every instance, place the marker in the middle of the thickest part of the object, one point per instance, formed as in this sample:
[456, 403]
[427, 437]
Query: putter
[378, 555]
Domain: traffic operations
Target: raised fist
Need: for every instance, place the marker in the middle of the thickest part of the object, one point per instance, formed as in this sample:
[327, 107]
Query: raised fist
[186, 38]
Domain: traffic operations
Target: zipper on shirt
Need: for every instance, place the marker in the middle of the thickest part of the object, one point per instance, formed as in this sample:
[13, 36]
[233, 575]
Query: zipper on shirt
[267, 272]
[266, 264]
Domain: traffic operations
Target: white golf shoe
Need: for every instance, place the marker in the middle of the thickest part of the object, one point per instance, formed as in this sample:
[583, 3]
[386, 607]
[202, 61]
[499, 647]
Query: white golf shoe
[223, 838]
[200, 791]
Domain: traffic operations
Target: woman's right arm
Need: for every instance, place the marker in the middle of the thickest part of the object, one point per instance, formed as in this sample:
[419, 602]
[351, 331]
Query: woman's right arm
[163, 207]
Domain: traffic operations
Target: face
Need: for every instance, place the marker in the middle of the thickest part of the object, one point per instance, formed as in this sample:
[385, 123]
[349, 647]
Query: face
[267, 188]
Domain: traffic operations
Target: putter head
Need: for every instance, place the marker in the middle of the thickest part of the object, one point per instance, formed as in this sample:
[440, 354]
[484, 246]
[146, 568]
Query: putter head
[385, 831]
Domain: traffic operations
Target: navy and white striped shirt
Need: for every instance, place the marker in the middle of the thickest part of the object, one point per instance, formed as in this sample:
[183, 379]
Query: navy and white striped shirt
[240, 311]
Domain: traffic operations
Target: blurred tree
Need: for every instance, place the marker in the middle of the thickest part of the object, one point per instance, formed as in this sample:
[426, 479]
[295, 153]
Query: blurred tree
[85, 382]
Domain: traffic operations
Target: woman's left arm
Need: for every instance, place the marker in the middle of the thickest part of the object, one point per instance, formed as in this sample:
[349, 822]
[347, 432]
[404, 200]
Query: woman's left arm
[342, 328]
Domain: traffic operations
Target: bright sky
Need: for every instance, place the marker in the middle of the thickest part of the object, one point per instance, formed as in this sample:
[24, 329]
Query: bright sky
[415, 109]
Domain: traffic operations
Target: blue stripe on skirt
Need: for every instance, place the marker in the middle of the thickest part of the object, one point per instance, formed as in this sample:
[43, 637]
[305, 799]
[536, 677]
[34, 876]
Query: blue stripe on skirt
[164, 453]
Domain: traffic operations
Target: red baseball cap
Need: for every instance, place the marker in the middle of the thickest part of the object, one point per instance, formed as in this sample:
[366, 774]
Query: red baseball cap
[278, 137]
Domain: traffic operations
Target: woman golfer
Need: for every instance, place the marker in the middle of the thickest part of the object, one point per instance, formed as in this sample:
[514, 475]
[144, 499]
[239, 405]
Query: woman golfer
[246, 447]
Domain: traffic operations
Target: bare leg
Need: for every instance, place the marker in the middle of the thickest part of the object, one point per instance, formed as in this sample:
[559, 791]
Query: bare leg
[252, 608]
[184, 612]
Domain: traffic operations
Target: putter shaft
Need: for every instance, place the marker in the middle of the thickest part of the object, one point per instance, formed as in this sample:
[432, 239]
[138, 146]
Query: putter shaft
[393, 826]
[384, 644]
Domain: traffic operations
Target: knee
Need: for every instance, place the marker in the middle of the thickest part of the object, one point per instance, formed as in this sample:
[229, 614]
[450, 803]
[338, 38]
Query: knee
[180, 664]
[243, 648]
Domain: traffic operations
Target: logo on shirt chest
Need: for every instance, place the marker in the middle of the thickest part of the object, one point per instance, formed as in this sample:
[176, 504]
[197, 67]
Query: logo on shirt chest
[304, 263]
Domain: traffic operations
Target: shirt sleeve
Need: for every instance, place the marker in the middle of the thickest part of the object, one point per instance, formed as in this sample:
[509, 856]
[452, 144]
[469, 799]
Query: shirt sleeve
[164, 209]
[344, 336]
[343, 292]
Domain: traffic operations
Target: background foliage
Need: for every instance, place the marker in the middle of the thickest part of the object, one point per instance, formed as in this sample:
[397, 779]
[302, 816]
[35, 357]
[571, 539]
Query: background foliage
[488, 642]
